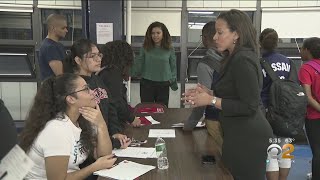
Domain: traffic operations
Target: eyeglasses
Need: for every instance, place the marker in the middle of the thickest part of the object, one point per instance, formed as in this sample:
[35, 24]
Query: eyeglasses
[86, 89]
[95, 56]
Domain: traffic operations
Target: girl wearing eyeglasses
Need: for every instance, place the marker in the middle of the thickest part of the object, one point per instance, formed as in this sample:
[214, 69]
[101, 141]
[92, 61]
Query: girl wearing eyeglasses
[84, 59]
[58, 135]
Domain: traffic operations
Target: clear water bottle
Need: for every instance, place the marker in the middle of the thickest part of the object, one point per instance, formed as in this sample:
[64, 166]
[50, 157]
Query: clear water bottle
[161, 152]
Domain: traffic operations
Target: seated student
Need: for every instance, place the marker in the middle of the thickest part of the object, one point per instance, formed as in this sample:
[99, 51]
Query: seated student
[85, 60]
[309, 76]
[208, 67]
[8, 131]
[116, 61]
[58, 135]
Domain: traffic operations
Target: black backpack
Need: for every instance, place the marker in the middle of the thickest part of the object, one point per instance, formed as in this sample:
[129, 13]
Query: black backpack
[287, 107]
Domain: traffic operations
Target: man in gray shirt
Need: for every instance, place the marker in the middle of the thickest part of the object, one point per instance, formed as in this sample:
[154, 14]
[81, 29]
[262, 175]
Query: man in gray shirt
[206, 71]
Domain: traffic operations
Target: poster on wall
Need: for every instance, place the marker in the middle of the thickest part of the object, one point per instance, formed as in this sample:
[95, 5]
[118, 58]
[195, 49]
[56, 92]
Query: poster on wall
[104, 32]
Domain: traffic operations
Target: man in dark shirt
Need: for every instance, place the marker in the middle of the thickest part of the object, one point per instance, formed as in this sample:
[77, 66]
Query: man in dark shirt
[7, 130]
[51, 51]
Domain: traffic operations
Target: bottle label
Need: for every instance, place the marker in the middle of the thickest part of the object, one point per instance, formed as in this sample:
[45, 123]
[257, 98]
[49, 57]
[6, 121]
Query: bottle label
[160, 147]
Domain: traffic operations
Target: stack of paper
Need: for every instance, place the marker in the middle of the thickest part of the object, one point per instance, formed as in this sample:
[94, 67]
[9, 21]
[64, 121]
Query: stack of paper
[15, 165]
[165, 133]
[125, 170]
[200, 124]
[147, 120]
[136, 152]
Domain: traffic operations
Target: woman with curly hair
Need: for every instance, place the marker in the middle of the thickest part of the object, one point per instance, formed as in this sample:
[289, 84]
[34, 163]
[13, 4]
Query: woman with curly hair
[156, 64]
[85, 60]
[116, 62]
[59, 135]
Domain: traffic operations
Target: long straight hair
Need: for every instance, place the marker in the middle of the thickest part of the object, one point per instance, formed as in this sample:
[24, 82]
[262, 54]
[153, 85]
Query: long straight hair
[238, 21]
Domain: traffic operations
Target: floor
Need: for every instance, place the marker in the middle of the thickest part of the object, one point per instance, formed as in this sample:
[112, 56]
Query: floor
[301, 165]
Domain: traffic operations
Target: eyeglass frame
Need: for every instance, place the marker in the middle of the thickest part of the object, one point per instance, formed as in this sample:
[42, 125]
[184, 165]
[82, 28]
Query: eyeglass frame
[87, 88]
[100, 55]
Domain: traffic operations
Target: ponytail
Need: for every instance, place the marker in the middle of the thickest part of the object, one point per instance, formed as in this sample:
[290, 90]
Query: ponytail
[78, 49]
[69, 64]
[268, 39]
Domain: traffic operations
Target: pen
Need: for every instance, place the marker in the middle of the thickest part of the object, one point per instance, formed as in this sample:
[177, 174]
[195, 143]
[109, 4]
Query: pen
[3, 175]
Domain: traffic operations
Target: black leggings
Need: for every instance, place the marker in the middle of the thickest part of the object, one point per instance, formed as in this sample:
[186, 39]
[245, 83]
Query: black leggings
[154, 91]
[313, 133]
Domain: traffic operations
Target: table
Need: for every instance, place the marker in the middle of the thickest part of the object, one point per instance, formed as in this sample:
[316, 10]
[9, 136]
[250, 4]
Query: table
[184, 151]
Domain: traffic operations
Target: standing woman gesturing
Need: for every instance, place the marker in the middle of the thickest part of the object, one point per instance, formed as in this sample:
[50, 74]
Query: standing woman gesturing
[156, 64]
[237, 93]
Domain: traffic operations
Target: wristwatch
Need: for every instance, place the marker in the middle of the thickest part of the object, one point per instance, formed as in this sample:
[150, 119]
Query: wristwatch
[214, 100]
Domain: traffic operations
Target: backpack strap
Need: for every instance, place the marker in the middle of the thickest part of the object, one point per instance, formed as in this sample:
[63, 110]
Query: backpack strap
[315, 65]
[293, 74]
[267, 67]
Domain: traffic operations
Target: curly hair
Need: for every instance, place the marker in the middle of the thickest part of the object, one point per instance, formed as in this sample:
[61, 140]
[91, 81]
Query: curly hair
[268, 39]
[50, 103]
[78, 49]
[166, 42]
[118, 54]
[313, 45]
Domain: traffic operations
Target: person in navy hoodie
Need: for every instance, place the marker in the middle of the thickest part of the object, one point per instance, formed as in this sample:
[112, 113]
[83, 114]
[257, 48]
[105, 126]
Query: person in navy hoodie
[281, 65]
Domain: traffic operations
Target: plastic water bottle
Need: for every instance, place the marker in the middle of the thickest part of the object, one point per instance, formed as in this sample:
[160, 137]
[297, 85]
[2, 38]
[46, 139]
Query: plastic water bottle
[161, 152]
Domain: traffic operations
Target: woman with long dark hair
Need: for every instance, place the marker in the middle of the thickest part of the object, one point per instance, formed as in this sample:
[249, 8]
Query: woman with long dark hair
[59, 135]
[84, 59]
[116, 62]
[156, 64]
[237, 94]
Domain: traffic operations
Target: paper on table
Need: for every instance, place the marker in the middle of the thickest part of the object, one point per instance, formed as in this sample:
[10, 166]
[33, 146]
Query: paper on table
[135, 152]
[16, 164]
[125, 170]
[182, 124]
[148, 118]
[166, 133]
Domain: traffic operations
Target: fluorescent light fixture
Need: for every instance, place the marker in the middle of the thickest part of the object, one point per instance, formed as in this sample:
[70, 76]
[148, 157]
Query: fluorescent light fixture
[196, 25]
[201, 12]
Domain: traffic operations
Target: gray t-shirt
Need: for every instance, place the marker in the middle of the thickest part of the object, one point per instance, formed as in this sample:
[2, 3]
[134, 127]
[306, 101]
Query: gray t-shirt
[205, 75]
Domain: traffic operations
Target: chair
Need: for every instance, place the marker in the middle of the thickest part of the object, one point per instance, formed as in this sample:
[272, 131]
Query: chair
[149, 108]
[8, 131]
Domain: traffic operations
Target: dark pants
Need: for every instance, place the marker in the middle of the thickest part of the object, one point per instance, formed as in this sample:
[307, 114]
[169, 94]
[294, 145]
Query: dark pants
[154, 91]
[313, 133]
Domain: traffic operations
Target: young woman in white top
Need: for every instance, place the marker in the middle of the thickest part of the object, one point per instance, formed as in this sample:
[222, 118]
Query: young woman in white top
[64, 127]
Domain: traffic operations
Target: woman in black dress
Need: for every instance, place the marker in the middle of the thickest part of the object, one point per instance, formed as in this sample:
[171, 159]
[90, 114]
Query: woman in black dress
[237, 93]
